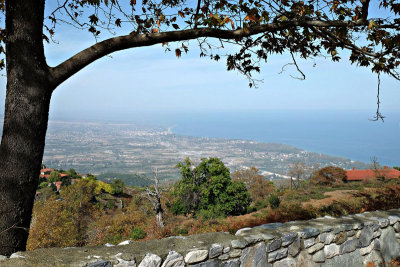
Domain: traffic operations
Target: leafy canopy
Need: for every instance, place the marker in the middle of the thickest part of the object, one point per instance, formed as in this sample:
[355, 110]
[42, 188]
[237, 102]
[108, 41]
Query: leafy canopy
[306, 28]
[208, 187]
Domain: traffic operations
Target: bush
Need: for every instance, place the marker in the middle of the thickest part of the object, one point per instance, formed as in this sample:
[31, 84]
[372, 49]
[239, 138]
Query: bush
[261, 204]
[274, 201]
[117, 187]
[110, 204]
[181, 231]
[137, 233]
[209, 187]
[329, 175]
[43, 185]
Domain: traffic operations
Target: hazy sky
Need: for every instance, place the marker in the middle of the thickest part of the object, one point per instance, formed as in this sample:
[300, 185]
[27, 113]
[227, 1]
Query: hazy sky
[143, 79]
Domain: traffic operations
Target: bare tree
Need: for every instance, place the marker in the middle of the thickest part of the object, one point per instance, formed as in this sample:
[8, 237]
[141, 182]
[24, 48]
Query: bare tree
[377, 168]
[297, 170]
[154, 196]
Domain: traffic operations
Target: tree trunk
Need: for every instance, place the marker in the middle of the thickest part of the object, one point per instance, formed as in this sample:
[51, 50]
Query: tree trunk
[159, 214]
[25, 123]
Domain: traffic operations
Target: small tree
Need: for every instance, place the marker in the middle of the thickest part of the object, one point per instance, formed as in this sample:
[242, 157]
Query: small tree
[274, 201]
[257, 185]
[117, 187]
[209, 187]
[378, 170]
[329, 175]
[55, 176]
[297, 170]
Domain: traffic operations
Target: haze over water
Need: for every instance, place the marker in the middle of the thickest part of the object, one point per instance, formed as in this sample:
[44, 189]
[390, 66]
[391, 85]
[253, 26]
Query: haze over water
[340, 133]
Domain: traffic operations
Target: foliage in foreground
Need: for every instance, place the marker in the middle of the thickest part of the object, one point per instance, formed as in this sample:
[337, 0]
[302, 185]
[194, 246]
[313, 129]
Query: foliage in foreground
[86, 214]
[207, 189]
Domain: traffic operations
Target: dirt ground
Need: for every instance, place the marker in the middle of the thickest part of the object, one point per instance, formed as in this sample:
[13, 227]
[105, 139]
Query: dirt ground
[333, 195]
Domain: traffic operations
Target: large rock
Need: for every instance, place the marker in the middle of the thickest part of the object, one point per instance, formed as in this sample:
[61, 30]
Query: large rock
[366, 236]
[349, 246]
[348, 260]
[393, 219]
[196, 256]
[151, 260]
[288, 238]
[319, 256]
[239, 243]
[174, 259]
[254, 256]
[274, 245]
[331, 250]
[315, 248]
[234, 253]
[294, 248]
[340, 238]
[326, 238]
[215, 250]
[309, 232]
[277, 255]
[309, 242]
[390, 247]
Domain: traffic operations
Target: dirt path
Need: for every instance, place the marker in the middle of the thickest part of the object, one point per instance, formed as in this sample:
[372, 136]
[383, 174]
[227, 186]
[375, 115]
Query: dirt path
[332, 195]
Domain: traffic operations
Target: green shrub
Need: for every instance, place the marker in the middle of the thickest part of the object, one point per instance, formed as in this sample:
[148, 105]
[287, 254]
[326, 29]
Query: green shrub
[180, 231]
[110, 204]
[274, 201]
[137, 233]
[261, 204]
[208, 214]
[43, 185]
[208, 186]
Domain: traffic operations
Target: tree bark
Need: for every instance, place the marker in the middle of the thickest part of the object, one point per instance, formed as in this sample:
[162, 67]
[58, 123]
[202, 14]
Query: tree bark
[25, 123]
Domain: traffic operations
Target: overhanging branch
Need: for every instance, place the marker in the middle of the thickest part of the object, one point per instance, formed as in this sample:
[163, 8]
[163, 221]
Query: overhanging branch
[72, 65]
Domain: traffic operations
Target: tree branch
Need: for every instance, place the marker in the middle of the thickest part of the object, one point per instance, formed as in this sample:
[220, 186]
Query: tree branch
[72, 65]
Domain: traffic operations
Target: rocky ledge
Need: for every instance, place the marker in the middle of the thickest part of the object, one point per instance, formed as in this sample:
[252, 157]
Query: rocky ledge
[353, 240]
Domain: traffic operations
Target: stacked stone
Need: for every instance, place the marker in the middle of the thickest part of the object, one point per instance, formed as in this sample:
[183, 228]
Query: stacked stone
[347, 244]
[347, 241]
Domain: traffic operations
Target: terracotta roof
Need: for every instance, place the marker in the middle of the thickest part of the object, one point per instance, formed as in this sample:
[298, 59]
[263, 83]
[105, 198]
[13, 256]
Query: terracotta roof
[48, 175]
[359, 175]
[46, 170]
[58, 184]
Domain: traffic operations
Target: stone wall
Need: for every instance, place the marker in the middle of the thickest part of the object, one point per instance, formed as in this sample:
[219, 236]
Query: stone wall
[354, 240]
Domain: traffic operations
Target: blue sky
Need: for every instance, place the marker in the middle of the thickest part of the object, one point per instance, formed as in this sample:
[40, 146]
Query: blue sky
[148, 79]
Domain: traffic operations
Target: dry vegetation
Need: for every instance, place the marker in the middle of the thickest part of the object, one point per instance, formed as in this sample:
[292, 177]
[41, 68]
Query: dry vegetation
[84, 214]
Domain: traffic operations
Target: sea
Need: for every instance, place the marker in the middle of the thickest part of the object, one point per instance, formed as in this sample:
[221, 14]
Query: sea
[349, 134]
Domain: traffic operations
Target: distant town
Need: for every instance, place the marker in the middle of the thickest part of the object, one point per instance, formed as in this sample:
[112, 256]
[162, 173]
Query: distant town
[100, 148]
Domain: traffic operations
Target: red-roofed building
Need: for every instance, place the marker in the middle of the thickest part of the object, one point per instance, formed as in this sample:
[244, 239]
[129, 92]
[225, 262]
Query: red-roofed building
[58, 185]
[45, 171]
[48, 175]
[361, 175]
